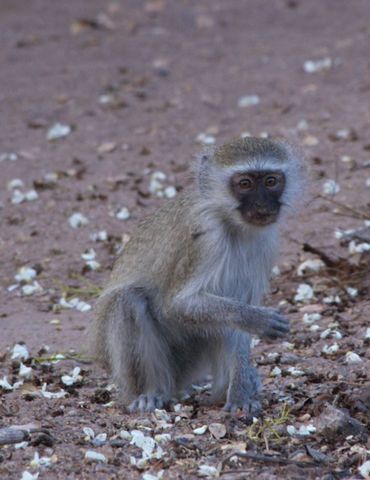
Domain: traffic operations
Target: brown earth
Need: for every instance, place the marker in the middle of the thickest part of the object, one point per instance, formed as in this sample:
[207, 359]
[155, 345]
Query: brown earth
[170, 71]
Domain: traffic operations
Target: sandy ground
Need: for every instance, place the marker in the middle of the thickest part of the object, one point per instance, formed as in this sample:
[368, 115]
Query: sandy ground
[137, 82]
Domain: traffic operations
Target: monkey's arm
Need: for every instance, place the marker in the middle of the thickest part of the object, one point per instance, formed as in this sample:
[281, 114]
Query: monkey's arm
[206, 310]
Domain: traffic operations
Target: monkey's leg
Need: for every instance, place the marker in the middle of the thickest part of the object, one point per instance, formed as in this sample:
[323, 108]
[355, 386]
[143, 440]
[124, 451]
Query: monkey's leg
[244, 381]
[139, 353]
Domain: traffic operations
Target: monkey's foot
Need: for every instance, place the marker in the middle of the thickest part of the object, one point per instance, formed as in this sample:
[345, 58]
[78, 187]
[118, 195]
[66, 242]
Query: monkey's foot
[146, 403]
[250, 406]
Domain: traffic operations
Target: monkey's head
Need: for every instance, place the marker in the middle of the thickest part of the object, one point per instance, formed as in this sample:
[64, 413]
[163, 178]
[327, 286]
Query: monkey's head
[251, 180]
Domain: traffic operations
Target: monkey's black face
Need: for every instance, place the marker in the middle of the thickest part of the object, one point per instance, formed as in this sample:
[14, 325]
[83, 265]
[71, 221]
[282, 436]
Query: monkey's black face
[259, 195]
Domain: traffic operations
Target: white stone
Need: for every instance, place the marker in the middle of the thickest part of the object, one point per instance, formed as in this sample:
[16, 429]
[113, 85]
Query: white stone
[93, 456]
[20, 352]
[205, 139]
[311, 317]
[52, 395]
[332, 299]
[24, 371]
[17, 197]
[304, 293]
[31, 195]
[89, 432]
[73, 377]
[330, 187]
[314, 66]
[25, 274]
[306, 430]
[101, 236]
[30, 476]
[330, 349]
[123, 214]
[364, 470]
[146, 443]
[207, 471]
[170, 192]
[77, 220]
[310, 266]
[352, 292]
[295, 372]
[275, 372]
[352, 357]
[58, 130]
[248, 101]
[358, 248]
[15, 183]
[200, 430]
[89, 254]
[34, 287]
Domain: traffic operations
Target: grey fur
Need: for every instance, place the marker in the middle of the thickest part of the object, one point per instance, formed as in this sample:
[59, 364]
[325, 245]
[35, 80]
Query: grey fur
[185, 294]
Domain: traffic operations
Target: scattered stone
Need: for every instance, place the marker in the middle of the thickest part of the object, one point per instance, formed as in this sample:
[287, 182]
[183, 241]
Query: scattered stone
[73, 377]
[200, 430]
[218, 430]
[352, 357]
[107, 147]
[330, 349]
[311, 317]
[207, 471]
[248, 101]
[310, 266]
[275, 372]
[15, 183]
[92, 456]
[314, 66]
[123, 214]
[30, 476]
[310, 141]
[364, 470]
[75, 303]
[12, 157]
[331, 187]
[77, 220]
[58, 130]
[19, 352]
[304, 293]
[101, 236]
[354, 247]
[205, 139]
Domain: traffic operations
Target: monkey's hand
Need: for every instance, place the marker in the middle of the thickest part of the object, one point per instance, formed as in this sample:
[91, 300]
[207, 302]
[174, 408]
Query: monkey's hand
[266, 322]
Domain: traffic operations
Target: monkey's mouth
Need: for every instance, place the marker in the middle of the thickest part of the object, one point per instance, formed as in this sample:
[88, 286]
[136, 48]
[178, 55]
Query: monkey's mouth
[260, 219]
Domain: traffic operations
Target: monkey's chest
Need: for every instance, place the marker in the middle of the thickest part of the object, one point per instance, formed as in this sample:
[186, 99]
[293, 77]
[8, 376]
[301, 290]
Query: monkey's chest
[235, 276]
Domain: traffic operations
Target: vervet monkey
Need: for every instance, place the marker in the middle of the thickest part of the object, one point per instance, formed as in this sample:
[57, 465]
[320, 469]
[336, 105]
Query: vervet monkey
[184, 295]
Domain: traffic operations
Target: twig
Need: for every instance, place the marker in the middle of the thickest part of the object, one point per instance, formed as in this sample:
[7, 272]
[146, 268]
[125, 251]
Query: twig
[266, 459]
[357, 213]
[329, 262]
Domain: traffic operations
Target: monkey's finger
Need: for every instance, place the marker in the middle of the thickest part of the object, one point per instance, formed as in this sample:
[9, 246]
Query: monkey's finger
[230, 407]
[153, 402]
[281, 327]
[134, 406]
[281, 323]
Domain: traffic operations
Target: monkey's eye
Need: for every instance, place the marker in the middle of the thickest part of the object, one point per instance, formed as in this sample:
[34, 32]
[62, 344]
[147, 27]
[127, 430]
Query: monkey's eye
[271, 181]
[245, 183]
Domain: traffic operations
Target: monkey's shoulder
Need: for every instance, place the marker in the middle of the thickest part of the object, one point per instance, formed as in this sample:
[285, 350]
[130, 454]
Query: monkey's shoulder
[164, 241]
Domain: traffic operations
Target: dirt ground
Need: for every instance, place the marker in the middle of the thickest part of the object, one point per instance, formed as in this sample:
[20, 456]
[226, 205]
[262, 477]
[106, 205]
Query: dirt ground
[138, 83]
